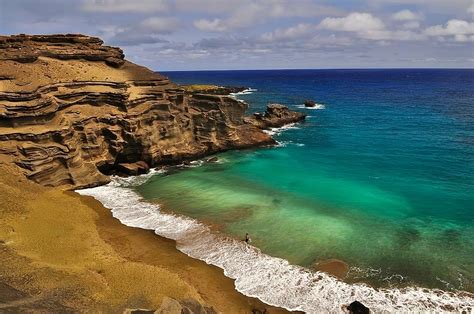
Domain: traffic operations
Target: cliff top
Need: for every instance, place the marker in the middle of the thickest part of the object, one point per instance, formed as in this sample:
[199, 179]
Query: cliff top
[31, 61]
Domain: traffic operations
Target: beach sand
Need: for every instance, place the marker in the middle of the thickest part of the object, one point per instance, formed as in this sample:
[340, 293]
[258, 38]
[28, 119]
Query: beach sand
[62, 251]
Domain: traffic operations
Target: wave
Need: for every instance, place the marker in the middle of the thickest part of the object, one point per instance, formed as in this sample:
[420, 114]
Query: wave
[277, 131]
[316, 107]
[247, 91]
[273, 280]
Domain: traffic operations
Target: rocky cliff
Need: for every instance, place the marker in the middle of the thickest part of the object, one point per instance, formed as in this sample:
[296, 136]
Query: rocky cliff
[72, 110]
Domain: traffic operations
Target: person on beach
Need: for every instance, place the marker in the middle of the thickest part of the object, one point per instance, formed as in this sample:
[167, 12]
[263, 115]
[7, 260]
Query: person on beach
[247, 238]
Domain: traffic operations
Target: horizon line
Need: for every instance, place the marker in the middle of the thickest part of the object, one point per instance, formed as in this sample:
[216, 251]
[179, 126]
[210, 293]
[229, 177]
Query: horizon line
[313, 69]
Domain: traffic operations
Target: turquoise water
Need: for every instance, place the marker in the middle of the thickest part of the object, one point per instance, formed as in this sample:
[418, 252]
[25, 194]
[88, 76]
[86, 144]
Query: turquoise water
[382, 178]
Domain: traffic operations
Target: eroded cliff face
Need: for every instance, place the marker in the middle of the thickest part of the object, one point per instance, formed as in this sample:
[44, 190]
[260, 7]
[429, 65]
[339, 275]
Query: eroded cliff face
[72, 110]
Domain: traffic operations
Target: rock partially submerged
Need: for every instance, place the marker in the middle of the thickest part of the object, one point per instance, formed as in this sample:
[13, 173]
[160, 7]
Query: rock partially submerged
[358, 308]
[309, 103]
[275, 116]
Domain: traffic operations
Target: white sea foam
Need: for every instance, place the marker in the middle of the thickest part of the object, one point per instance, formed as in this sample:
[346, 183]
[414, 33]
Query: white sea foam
[277, 131]
[247, 91]
[272, 280]
[316, 107]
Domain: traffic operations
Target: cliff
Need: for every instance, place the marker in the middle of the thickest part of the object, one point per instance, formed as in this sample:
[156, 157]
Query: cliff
[73, 110]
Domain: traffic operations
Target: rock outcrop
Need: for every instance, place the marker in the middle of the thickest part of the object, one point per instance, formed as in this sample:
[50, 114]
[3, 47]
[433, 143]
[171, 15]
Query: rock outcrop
[275, 116]
[73, 111]
[213, 89]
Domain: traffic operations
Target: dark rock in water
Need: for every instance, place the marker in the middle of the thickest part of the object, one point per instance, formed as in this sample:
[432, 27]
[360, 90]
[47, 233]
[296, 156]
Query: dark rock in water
[133, 169]
[358, 308]
[213, 159]
[275, 116]
[309, 103]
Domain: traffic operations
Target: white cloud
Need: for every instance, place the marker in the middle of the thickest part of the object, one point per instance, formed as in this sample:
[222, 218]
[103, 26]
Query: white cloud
[116, 6]
[411, 25]
[159, 25]
[289, 33]
[367, 26]
[460, 30]
[471, 9]
[406, 15]
[252, 12]
[215, 25]
[354, 22]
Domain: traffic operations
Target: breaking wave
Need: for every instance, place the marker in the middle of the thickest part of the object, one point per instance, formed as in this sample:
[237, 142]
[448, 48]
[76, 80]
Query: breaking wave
[273, 280]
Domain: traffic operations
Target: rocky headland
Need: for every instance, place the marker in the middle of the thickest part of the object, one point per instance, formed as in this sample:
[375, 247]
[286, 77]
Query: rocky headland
[73, 111]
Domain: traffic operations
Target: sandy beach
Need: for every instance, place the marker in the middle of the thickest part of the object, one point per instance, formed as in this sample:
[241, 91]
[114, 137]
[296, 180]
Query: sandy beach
[63, 251]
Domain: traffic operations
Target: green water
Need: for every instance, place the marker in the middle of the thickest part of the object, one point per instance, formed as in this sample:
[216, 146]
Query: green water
[382, 178]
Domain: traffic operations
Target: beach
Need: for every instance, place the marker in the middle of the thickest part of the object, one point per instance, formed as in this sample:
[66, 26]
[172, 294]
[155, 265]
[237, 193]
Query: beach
[63, 251]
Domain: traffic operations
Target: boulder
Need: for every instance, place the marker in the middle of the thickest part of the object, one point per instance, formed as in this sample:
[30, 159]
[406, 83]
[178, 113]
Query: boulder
[133, 169]
[357, 308]
[309, 103]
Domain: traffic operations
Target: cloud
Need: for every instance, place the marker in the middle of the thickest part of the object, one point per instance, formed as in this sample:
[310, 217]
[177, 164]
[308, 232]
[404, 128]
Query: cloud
[471, 9]
[288, 33]
[215, 25]
[253, 12]
[460, 30]
[127, 38]
[118, 6]
[148, 31]
[411, 25]
[354, 22]
[406, 15]
[159, 25]
[367, 26]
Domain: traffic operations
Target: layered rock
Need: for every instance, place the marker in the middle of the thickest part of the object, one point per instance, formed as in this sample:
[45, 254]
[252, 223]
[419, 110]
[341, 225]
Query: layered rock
[213, 89]
[275, 116]
[73, 110]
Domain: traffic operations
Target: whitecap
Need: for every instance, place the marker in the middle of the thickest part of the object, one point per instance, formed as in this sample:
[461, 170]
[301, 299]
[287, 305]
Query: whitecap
[316, 107]
[247, 91]
[277, 131]
[273, 280]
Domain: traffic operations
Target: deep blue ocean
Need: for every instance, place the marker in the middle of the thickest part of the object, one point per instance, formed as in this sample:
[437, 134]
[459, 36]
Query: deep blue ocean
[380, 176]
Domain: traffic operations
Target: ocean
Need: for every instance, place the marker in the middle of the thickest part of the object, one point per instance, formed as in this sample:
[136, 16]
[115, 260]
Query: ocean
[380, 176]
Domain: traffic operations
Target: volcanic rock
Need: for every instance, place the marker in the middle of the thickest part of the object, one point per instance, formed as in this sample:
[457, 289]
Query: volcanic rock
[358, 308]
[73, 110]
[275, 116]
[309, 103]
[213, 89]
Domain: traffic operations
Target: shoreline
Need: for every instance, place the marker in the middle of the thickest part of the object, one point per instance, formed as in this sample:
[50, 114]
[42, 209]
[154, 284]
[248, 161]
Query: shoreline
[160, 251]
[61, 250]
[270, 279]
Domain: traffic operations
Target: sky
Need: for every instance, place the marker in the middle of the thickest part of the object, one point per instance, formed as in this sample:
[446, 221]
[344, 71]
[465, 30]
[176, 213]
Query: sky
[262, 34]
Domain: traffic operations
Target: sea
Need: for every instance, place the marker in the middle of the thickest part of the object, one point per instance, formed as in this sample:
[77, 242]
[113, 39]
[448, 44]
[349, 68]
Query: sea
[379, 176]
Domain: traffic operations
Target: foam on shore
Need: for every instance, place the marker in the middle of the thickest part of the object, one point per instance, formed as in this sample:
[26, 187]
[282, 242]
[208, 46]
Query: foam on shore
[272, 280]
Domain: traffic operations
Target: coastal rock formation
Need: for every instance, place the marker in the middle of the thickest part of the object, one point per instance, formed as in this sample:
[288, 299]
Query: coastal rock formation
[309, 103]
[73, 111]
[213, 89]
[275, 116]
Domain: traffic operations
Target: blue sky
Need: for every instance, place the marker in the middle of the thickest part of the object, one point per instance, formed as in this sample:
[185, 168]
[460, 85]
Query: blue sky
[262, 34]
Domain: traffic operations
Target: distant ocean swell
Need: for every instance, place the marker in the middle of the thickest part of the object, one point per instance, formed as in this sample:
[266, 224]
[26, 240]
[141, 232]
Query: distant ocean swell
[272, 280]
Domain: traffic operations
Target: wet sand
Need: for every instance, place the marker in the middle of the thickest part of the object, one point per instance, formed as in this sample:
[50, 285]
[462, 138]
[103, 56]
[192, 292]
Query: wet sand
[62, 251]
